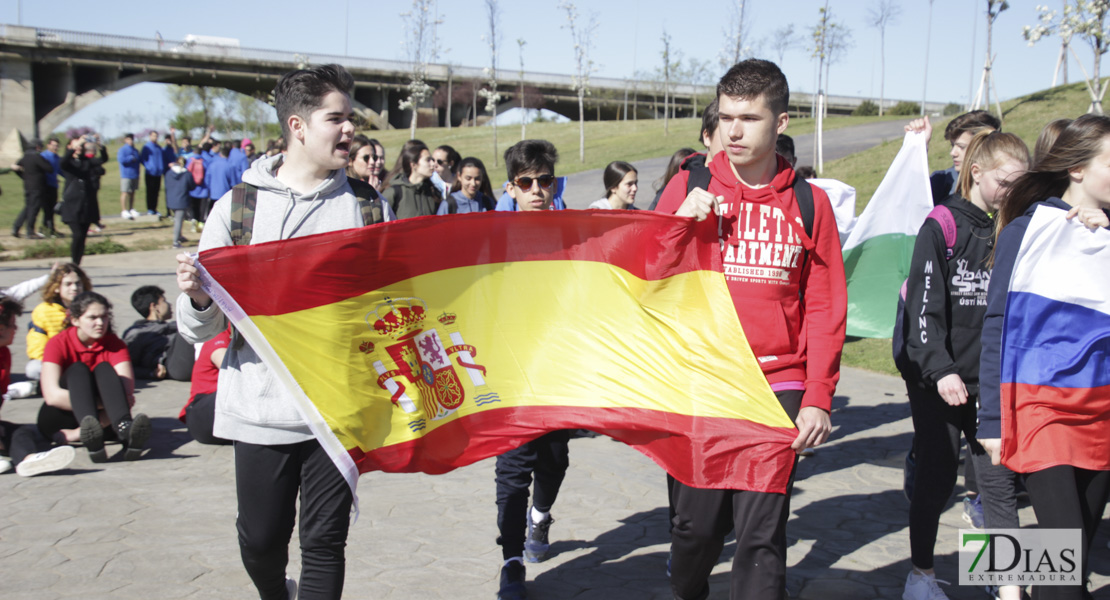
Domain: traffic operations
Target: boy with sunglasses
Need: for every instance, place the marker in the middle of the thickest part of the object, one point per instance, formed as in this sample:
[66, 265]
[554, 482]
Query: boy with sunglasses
[523, 530]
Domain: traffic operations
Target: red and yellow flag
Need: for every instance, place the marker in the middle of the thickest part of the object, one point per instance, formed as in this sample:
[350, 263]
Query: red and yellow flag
[431, 343]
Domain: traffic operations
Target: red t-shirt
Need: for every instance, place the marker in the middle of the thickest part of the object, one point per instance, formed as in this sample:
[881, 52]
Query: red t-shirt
[205, 374]
[66, 349]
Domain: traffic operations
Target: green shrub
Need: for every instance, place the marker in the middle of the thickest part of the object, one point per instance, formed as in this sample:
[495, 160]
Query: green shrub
[46, 249]
[905, 108]
[952, 108]
[105, 246]
[866, 108]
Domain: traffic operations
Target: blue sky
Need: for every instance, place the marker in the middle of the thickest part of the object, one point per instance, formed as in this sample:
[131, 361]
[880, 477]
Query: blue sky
[626, 41]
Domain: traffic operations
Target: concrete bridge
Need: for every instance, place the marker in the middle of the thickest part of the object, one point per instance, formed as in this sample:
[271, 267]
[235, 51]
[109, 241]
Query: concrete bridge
[47, 75]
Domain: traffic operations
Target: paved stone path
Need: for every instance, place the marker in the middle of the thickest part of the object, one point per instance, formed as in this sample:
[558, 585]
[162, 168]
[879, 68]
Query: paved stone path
[163, 527]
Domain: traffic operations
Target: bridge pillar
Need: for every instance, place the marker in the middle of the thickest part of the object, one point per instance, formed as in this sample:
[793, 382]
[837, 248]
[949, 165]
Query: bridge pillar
[17, 99]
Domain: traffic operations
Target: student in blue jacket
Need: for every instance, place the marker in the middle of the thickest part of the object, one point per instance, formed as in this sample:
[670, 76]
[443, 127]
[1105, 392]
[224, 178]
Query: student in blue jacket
[155, 165]
[128, 159]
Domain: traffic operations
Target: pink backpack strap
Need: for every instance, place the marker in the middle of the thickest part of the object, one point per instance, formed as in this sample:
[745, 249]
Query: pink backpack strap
[943, 215]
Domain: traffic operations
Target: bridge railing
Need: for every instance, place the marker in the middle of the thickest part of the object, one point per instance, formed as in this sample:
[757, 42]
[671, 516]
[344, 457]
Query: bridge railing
[49, 37]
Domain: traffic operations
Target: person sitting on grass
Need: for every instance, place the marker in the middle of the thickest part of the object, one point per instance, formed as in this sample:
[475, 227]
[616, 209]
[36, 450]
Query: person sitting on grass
[157, 350]
[88, 384]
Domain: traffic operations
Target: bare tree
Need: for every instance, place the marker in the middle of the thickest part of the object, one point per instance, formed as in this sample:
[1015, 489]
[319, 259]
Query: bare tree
[994, 8]
[820, 36]
[666, 81]
[782, 39]
[1087, 19]
[421, 47]
[582, 36]
[736, 34]
[838, 39]
[523, 120]
[493, 13]
[881, 14]
[925, 76]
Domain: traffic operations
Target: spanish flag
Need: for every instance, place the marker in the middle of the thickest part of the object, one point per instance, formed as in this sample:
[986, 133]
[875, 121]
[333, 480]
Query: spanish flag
[1056, 348]
[427, 344]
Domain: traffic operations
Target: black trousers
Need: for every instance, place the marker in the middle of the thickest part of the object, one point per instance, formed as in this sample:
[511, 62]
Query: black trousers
[89, 390]
[32, 200]
[1065, 497]
[936, 445]
[179, 359]
[267, 482]
[21, 441]
[200, 415]
[80, 233]
[153, 186]
[704, 517]
[49, 199]
[544, 459]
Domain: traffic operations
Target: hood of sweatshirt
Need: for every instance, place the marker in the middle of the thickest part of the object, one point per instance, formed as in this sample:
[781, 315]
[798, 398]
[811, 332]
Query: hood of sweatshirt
[777, 194]
[263, 175]
[972, 213]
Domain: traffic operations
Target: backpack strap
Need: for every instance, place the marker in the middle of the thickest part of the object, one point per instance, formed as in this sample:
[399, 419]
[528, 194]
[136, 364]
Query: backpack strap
[486, 202]
[244, 200]
[452, 205]
[369, 201]
[699, 179]
[803, 192]
[943, 215]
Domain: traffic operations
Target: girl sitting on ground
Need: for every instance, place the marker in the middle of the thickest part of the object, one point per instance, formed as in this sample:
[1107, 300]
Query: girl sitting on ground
[47, 320]
[88, 384]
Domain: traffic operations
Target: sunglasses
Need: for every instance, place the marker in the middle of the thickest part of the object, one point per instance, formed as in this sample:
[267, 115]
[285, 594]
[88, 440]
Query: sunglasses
[525, 183]
[369, 158]
[441, 162]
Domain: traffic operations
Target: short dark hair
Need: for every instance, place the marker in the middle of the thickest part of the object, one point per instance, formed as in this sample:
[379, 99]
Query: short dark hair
[968, 122]
[752, 78]
[806, 172]
[206, 146]
[530, 155]
[9, 308]
[143, 297]
[225, 149]
[710, 118]
[301, 92]
[785, 146]
[453, 157]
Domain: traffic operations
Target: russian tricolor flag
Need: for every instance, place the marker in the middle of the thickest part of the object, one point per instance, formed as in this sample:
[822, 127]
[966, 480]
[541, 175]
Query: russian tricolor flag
[1056, 348]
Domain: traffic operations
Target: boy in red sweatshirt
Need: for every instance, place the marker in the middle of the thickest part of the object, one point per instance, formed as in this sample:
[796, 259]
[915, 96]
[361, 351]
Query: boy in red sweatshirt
[784, 269]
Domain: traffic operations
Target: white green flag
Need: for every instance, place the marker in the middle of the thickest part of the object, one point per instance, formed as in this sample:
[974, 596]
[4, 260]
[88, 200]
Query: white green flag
[877, 252]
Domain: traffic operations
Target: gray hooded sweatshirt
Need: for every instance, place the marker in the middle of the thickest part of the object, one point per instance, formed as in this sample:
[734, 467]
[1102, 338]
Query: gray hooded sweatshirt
[251, 404]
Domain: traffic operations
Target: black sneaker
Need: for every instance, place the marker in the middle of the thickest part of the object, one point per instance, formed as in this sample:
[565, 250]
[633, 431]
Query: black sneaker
[134, 435]
[536, 544]
[92, 437]
[512, 582]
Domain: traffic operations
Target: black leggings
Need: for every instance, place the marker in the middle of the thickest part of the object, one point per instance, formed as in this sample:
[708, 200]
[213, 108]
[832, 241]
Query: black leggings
[1066, 497]
[101, 386]
[153, 186]
[936, 446]
[80, 231]
[267, 480]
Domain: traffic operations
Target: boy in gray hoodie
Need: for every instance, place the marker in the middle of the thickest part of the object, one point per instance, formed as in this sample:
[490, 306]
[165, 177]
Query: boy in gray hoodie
[301, 192]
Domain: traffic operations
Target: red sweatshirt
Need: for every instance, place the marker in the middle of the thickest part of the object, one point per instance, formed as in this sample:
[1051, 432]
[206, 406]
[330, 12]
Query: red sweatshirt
[789, 290]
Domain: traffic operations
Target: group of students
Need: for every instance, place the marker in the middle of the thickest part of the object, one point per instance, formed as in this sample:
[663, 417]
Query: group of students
[86, 373]
[952, 332]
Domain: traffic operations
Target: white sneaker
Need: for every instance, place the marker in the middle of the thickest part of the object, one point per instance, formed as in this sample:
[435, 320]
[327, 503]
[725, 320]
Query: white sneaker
[134, 214]
[54, 459]
[923, 587]
[23, 389]
[125, 214]
[5, 464]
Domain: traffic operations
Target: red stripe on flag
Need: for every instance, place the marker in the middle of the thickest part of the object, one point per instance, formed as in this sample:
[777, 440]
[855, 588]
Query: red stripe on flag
[1048, 426]
[706, 452]
[335, 266]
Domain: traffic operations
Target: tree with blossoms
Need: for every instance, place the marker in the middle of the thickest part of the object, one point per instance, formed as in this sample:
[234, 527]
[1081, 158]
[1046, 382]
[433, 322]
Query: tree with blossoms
[1085, 19]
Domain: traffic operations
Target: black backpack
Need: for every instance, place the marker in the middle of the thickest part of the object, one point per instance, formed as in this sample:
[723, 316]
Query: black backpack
[803, 192]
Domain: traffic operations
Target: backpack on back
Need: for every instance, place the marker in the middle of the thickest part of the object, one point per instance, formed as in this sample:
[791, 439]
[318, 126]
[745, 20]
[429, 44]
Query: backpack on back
[943, 216]
[803, 192]
[196, 168]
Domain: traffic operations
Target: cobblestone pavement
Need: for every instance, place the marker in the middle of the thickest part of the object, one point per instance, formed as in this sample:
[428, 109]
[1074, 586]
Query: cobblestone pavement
[163, 527]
